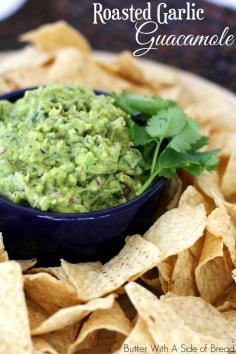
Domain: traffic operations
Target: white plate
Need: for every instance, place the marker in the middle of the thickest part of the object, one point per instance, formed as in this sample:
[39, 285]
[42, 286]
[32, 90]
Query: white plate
[9, 7]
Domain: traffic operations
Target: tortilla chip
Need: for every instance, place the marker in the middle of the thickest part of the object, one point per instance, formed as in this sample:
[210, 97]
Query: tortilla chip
[220, 224]
[164, 285]
[36, 314]
[116, 345]
[196, 249]
[228, 183]
[191, 197]
[68, 66]
[164, 325]
[71, 65]
[41, 346]
[4, 86]
[154, 284]
[163, 87]
[211, 276]
[126, 66]
[55, 36]
[173, 93]
[48, 292]
[223, 162]
[28, 57]
[14, 323]
[201, 317]
[89, 343]
[230, 316]
[104, 344]
[234, 275]
[165, 274]
[112, 319]
[210, 105]
[229, 266]
[26, 77]
[138, 338]
[224, 140]
[62, 339]
[209, 184]
[27, 264]
[183, 277]
[152, 280]
[173, 193]
[56, 272]
[231, 208]
[161, 75]
[135, 259]
[73, 314]
[178, 229]
[229, 301]
[3, 253]
[104, 80]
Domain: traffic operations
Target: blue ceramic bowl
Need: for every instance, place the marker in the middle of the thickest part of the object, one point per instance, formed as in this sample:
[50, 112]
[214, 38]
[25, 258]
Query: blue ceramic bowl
[48, 236]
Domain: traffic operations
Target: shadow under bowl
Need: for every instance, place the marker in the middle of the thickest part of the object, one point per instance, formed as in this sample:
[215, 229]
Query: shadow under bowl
[47, 236]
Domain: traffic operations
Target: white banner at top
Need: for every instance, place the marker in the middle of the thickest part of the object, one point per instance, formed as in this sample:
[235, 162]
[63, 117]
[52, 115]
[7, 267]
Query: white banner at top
[227, 3]
[9, 7]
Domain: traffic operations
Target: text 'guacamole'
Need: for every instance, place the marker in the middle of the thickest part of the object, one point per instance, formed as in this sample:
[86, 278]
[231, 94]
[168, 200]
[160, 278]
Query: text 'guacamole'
[66, 149]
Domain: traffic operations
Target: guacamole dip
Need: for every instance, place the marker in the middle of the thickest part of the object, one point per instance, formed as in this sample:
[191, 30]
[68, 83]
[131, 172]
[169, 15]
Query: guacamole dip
[66, 149]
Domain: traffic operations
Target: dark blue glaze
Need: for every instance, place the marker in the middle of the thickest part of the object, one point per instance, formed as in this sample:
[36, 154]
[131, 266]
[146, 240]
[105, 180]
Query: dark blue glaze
[30, 233]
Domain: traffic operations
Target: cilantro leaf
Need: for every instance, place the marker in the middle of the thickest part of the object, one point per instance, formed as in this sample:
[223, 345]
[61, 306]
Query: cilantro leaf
[163, 104]
[166, 123]
[147, 152]
[155, 121]
[140, 136]
[195, 162]
[203, 141]
[189, 136]
[133, 104]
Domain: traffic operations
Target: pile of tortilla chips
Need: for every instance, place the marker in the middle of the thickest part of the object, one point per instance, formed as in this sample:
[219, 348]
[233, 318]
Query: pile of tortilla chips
[173, 287]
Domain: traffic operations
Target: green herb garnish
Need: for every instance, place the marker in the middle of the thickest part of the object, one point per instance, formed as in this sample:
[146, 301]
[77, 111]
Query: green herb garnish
[166, 136]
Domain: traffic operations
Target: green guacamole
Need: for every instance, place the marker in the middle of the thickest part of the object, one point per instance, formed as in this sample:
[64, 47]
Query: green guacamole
[65, 149]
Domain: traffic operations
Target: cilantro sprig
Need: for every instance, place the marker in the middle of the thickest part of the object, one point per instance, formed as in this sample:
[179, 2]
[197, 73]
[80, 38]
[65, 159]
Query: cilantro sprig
[168, 139]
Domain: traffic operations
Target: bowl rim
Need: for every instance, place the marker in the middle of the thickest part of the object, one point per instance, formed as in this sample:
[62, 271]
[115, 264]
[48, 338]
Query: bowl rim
[158, 185]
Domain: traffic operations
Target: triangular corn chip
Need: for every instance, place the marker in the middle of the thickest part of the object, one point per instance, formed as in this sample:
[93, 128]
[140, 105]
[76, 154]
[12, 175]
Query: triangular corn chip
[135, 259]
[219, 223]
[183, 277]
[14, 322]
[3, 252]
[228, 183]
[178, 229]
[212, 277]
[56, 35]
[164, 325]
[49, 292]
[72, 314]
[112, 319]
[138, 338]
